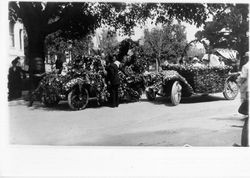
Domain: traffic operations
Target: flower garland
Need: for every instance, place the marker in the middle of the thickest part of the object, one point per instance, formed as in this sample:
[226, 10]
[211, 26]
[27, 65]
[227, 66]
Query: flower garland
[89, 70]
[203, 79]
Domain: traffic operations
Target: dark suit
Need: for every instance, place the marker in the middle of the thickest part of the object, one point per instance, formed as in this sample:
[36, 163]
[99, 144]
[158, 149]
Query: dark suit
[15, 82]
[114, 82]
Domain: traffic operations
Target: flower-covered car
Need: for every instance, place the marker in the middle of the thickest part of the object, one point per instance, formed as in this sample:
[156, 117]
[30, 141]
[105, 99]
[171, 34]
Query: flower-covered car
[177, 81]
[132, 85]
[78, 85]
[86, 81]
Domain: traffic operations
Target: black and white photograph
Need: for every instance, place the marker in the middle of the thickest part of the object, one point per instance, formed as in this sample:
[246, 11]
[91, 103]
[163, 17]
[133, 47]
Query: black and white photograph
[101, 74]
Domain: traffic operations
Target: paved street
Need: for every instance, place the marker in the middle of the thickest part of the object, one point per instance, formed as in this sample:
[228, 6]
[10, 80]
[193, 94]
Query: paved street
[197, 121]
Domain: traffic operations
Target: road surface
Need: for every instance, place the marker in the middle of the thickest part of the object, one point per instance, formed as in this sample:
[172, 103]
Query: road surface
[196, 121]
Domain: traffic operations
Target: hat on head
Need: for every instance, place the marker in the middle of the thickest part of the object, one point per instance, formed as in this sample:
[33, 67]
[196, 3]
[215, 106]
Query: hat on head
[15, 61]
[130, 52]
[195, 59]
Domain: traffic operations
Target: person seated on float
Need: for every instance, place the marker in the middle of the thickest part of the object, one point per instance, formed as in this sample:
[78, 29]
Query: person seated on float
[188, 60]
[131, 57]
[196, 62]
[116, 62]
[172, 59]
[222, 63]
[205, 61]
[165, 63]
[103, 59]
[211, 58]
[65, 69]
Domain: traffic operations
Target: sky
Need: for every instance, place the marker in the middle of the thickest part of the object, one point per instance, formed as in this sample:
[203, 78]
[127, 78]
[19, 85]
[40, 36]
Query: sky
[190, 30]
[138, 32]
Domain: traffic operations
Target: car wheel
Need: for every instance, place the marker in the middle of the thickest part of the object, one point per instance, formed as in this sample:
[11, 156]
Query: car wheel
[78, 100]
[176, 93]
[231, 90]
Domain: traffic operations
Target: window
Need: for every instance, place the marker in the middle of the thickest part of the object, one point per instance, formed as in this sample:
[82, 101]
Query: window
[21, 38]
[11, 33]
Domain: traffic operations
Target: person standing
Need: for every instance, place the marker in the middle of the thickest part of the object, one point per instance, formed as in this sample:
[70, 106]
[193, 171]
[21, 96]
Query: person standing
[243, 78]
[36, 73]
[15, 79]
[59, 65]
[243, 109]
[113, 81]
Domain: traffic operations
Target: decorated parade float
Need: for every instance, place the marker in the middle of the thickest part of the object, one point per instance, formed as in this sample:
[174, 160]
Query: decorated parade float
[176, 81]
[84, 79]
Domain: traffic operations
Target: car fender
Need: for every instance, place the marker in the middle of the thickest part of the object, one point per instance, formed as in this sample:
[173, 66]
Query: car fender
[233, 76]
[169, 76]
[75, 82]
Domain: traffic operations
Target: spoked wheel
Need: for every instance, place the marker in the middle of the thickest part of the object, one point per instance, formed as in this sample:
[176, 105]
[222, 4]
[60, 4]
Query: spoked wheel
[150, 94]
[176, 93]
[231, 90]
[78, 100]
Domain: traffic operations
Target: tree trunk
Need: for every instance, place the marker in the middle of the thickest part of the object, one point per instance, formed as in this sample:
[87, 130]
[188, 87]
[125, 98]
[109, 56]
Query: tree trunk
[157, 62]
[36, 55]
[36, 51]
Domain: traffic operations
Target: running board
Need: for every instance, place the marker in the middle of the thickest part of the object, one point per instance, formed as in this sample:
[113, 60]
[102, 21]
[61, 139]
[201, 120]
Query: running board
[93, 98]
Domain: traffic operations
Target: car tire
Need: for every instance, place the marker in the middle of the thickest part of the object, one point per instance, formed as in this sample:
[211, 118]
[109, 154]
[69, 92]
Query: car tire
[77, 100]
[176, 93]
[231, 90]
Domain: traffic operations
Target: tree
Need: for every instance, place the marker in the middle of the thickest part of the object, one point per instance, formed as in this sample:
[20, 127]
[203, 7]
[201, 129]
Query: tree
[108, 41]
[229, 27]
[78, 19]
[55, 43]
[159, 43]
[41, 19]
[195, 50]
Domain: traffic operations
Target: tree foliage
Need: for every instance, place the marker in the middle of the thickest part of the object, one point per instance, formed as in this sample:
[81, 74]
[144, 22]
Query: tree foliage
[55, 43]
[78, 19]
[160, 43]
[108, 41]
[196, 50]
[229, 27]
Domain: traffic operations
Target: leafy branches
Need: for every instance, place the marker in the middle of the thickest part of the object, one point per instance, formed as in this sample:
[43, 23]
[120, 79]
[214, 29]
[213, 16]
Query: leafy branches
[229, 27]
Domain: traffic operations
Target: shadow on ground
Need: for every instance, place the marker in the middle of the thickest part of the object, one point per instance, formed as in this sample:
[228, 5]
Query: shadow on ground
[185, 100]
[63, 105]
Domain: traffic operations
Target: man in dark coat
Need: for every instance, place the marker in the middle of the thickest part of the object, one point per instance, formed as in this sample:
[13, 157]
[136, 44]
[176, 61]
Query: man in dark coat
[113, 82]
[59, 65]
[15, 79]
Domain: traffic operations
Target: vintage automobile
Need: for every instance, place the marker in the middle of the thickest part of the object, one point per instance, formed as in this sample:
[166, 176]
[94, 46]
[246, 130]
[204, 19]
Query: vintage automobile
[82, 84]
[77, 87]
[177, 81]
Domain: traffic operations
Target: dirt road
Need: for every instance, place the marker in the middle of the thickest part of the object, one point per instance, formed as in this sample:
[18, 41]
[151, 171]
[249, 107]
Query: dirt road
[197, 121]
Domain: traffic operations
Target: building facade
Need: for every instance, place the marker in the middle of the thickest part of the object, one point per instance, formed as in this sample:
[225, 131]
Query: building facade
[16, 41]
